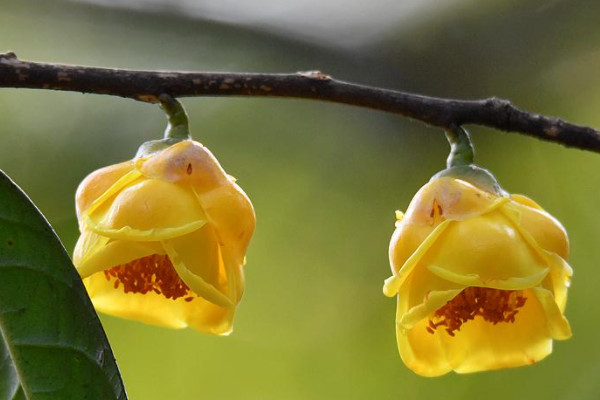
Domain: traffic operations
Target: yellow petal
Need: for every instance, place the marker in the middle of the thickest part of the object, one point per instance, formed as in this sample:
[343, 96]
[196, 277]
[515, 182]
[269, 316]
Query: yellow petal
[514, 283]
[108, 253]
[560, 274]
[235, 275]
[545, 229]
[558, 325]
[150, 210]
[88, 243]
[129, 179]
[434, 301]
[392, 285]
[526, 201]
[186, 162]
[421, 351]
[200, 266]
[155, 309]
[406, 239]
[457, 200]
[231, 214]
[487, 247]
[96, 183]
[481, 345]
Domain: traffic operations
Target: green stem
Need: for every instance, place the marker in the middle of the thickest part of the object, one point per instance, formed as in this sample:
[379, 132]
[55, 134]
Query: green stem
[178, 127]
[461, 148]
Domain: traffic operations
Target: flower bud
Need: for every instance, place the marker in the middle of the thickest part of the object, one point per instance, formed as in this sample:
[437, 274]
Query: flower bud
[481, 279]
[163, 239]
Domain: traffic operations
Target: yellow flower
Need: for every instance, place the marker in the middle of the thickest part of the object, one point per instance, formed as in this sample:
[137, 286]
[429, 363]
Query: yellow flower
[163, 239]
[481, 280]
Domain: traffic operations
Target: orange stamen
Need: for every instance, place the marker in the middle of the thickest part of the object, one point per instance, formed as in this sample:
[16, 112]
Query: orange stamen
[493, 305]
[152, 273]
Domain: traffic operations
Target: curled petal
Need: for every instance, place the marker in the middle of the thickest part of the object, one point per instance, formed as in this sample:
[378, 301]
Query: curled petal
[510, 283]
[105, 253]
[199, 270]
[558, 326]
[434, 301]
[560, 274]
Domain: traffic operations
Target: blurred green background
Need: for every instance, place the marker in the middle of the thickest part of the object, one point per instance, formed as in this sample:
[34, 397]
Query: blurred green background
[325, 179]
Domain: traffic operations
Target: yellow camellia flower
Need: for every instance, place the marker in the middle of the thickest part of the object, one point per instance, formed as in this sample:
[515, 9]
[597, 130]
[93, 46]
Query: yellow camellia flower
[163, 239]
[481, 279]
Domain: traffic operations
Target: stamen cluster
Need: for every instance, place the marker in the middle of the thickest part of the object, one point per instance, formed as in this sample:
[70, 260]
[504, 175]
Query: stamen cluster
[493, 305]
[152, 273]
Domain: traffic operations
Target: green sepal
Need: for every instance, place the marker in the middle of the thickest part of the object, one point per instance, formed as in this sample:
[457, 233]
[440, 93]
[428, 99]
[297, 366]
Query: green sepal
[153, 146]
[475, 175]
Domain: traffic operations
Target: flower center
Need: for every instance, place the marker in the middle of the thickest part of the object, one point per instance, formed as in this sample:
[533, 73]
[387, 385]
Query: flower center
[152, 273]
[493, 305]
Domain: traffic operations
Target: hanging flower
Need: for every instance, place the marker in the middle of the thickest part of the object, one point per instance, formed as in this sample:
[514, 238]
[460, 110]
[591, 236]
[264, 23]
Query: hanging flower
[164, 237]
[481, 279]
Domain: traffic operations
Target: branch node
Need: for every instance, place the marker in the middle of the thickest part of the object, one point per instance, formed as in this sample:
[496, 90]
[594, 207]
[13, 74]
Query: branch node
[316, 74]
[8, 56]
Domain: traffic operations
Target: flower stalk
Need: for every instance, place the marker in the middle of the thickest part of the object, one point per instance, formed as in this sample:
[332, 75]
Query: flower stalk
[461, 147]
[178, 127]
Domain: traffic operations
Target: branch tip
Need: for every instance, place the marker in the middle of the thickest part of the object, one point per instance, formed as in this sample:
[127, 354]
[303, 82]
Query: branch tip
[9, 55]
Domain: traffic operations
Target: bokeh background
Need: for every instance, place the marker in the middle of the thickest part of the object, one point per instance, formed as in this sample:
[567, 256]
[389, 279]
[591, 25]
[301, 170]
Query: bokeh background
[325, 179]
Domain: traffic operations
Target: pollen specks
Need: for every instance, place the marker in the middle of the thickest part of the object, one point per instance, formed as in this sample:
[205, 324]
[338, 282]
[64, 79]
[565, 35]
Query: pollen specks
[493, 305]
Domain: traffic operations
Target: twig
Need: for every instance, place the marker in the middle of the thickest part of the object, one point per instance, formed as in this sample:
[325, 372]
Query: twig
[148, 85]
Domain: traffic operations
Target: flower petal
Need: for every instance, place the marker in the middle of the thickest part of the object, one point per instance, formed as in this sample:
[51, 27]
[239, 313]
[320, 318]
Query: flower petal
[235, 275]
[197, 259]
[149, 210]
[457, 199]
[487, 247]
[515, 283]
[123, 182]
[231, 214]
[481, 345]
[155, 309]
[557, 324]
[94, 253]
[560, 274]
[148, 235]
[421, 351]
[98, 182]
[548, 233]
[435, 300]
[392, 284]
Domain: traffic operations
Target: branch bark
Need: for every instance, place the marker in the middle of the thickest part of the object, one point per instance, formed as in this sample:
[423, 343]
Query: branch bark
[148, 85]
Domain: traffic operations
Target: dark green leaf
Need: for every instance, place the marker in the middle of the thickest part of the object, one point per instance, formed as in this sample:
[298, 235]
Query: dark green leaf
[53, 345]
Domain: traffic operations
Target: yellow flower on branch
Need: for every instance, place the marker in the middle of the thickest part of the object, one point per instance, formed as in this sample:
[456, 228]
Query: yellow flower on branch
[163, 239]
[481, 279]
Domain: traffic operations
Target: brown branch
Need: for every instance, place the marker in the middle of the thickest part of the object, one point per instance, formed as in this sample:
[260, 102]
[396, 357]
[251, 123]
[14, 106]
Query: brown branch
[147, 85]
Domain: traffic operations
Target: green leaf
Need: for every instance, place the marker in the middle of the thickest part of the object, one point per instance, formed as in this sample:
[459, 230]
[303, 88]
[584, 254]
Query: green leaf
[53, 346]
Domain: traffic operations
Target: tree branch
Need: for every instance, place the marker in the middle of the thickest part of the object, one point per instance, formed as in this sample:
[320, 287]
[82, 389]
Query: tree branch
[148, 85]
